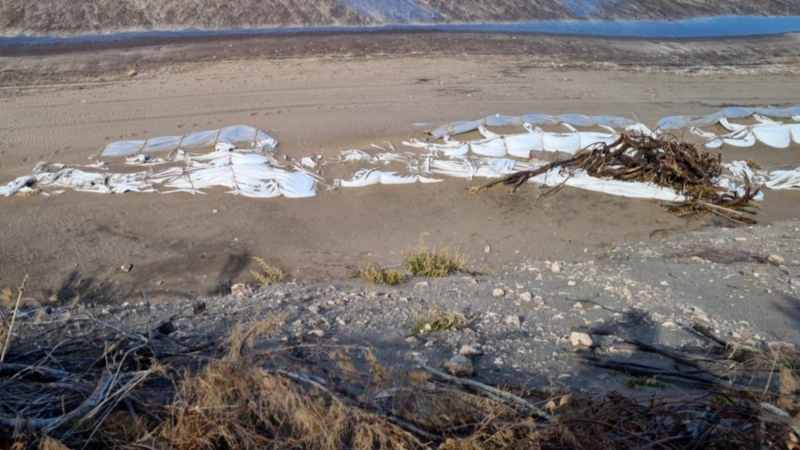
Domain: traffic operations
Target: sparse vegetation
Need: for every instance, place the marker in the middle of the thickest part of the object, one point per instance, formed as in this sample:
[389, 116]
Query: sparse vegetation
[377, 275]
[269, 274]
[422, 260]
[440, 320]
[645, 382]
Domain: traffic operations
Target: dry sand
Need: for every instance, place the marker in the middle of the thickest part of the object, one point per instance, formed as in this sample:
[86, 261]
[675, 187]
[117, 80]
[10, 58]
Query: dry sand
[65, 104]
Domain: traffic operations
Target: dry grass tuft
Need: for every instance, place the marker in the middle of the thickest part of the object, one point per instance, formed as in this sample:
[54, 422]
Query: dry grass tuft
[440, 320]
[422, 260]
[378, 275]
[269, 274]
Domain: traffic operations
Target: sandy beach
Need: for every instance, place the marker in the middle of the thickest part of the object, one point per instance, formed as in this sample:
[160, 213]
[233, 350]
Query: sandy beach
[323, 94]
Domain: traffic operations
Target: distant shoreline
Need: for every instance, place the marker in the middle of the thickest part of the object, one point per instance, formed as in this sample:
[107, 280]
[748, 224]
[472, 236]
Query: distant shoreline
[721, 27]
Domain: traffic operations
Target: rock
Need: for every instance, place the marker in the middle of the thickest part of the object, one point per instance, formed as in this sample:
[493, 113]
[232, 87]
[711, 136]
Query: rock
[700, 315]
[776, 259]
[471, 350]
[571, 283]
[239, 290]
[316, 333]
[459, 366]
[498, 292]
[578, 339]
[487, 249]
[740, 239]
[313, 309]
[411, 340]
[794, 282]
[669, 325]
[422, 284]
[514, 321]
[132, 73]
[555, 267]
[697, 259]
[126, 268]
[526, 296]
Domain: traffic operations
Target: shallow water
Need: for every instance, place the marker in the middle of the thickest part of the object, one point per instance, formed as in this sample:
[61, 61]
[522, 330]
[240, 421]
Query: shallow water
[705, 27]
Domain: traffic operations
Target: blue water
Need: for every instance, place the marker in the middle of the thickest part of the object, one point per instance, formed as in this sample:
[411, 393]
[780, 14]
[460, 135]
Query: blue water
[706, 27]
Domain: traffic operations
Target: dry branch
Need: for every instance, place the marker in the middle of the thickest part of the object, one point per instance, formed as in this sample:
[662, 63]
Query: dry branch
[670, 163]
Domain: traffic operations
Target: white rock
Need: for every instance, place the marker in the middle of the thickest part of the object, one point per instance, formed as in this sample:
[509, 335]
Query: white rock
[498, 292]
[317, 333]
[526, 296]
[697, 259]
[513, 321]
[700, 315]
[776, 259]
[571, 283]
[471, 350]
[239, 289]
[794, 282]
[669, 325]
[555, 267]
[578, 339]
[459, 366]
[740, 239]
[422, 284]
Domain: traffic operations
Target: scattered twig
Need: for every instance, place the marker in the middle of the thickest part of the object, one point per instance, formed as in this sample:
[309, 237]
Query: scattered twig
[494, 392]
[13, 318]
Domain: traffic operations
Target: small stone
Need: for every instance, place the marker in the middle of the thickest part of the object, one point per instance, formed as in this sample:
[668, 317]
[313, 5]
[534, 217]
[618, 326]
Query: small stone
[669, 325]
[126, 268]
[239, 290]
[794, 282]
[697, 259]
[313, 309]
[498, 292]
[578, 339]
[564, 376]
[411, 340]
[459, 366]
[571, 283]
[132, 73]
[513, 321]
[317, 333]
[422, 284]
[526, 297]
[539, 277]
[740, 239]
[555, 267]
[487, 249]
[471, 350]
[776, 259]
[700, 315]
[664, 283]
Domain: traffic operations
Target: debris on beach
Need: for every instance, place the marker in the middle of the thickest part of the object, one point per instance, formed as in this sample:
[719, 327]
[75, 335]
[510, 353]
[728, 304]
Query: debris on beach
[671, 164]
[242, 160]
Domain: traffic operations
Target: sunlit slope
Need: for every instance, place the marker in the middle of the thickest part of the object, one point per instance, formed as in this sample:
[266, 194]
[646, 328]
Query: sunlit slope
[70, 17]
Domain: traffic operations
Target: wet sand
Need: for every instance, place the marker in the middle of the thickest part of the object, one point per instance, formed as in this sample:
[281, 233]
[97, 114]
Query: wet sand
[321, 95]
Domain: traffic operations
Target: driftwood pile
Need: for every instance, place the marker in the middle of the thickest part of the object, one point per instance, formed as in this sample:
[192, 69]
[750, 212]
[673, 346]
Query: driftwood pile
[671, 163]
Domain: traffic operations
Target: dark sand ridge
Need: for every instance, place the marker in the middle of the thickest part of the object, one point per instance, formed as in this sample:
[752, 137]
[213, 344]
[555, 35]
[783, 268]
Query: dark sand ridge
[64, 107]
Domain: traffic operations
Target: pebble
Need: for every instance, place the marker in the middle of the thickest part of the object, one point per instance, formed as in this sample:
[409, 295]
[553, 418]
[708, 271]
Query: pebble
[239, 290]
[498, 292]
[555, 267]
[740, 239]
[794, 282]
[776, 259]
[514, 321]
[317, 333]
[459, 366]
[700, 315]
[578, 339]
[571, 283]
[526, 296]
[422, 284]
[471, 350]
[669, 325]
[697, 259]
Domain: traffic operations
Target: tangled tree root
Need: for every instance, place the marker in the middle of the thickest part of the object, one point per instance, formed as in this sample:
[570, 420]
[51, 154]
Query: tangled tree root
[666, 162]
